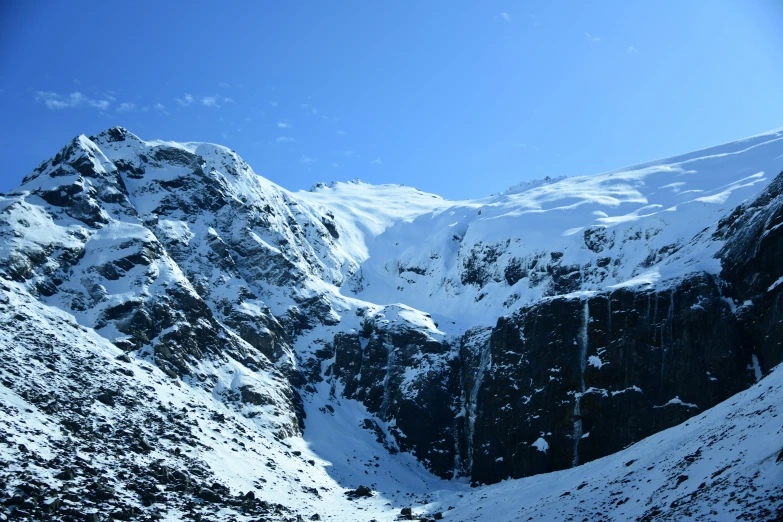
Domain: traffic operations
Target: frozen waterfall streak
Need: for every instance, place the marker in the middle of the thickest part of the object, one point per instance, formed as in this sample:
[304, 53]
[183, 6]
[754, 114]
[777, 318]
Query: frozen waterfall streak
[390, 361]
[484, 363]
[668, 324]
[463, 400]
[578, 429]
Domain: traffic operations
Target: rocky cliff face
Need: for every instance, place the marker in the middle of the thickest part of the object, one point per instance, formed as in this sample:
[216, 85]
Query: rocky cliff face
[538, 333]
[577, 377]
[592, 375]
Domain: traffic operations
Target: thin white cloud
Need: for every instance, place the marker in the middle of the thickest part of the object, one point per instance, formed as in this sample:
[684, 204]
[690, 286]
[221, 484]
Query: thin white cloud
[126, 107]
[348, 153]
[58, 104]
[308, 109]
[306, 159]
[335, 165]
[284, 139]
[187, 100]
[592, 39]
[284, 125]
[340, 132]
[377, 161]
[55, 101]
[631, 49]
[506, 17]
[207, 101]
[273, 103]
[215, 101]
[224, 85]
[161, 108]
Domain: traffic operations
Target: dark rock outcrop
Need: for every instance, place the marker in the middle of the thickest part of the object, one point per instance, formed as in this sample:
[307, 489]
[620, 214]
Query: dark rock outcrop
[571, 380]
[374, 367]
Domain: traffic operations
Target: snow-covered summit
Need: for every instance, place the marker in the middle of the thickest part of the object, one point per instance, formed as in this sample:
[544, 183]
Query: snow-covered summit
[365, 211]
[443, 256]
[474, 260]
[467, 262]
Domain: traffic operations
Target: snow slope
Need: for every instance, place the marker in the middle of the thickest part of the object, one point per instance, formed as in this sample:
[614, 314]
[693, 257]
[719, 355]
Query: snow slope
[640, 217]
[365, 211]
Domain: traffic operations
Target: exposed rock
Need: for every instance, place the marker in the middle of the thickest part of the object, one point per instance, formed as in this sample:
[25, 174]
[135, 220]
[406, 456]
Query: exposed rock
[360, 492]
[103, 492]
[208, 495]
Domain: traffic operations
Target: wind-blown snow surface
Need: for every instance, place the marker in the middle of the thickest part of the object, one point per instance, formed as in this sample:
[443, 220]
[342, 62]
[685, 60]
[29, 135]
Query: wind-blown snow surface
[422, 254]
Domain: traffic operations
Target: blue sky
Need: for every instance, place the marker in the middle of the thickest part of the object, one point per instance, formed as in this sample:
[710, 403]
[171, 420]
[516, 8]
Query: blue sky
[459, 98]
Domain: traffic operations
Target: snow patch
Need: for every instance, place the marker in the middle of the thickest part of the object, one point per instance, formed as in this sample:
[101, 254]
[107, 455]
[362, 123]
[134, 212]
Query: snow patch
[541, 445]
[595, 362]
[775, 284]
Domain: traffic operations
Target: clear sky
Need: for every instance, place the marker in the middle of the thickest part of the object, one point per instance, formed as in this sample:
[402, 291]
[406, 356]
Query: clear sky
[459, 98]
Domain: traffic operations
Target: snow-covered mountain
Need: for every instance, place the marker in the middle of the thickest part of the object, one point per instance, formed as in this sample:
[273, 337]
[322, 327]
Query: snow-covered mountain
[473, 261]
[179, 331]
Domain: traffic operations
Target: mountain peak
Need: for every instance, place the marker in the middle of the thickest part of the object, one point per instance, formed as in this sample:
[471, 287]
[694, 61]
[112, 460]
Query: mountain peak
[334, 184]
[115, 134]
[80, 155]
